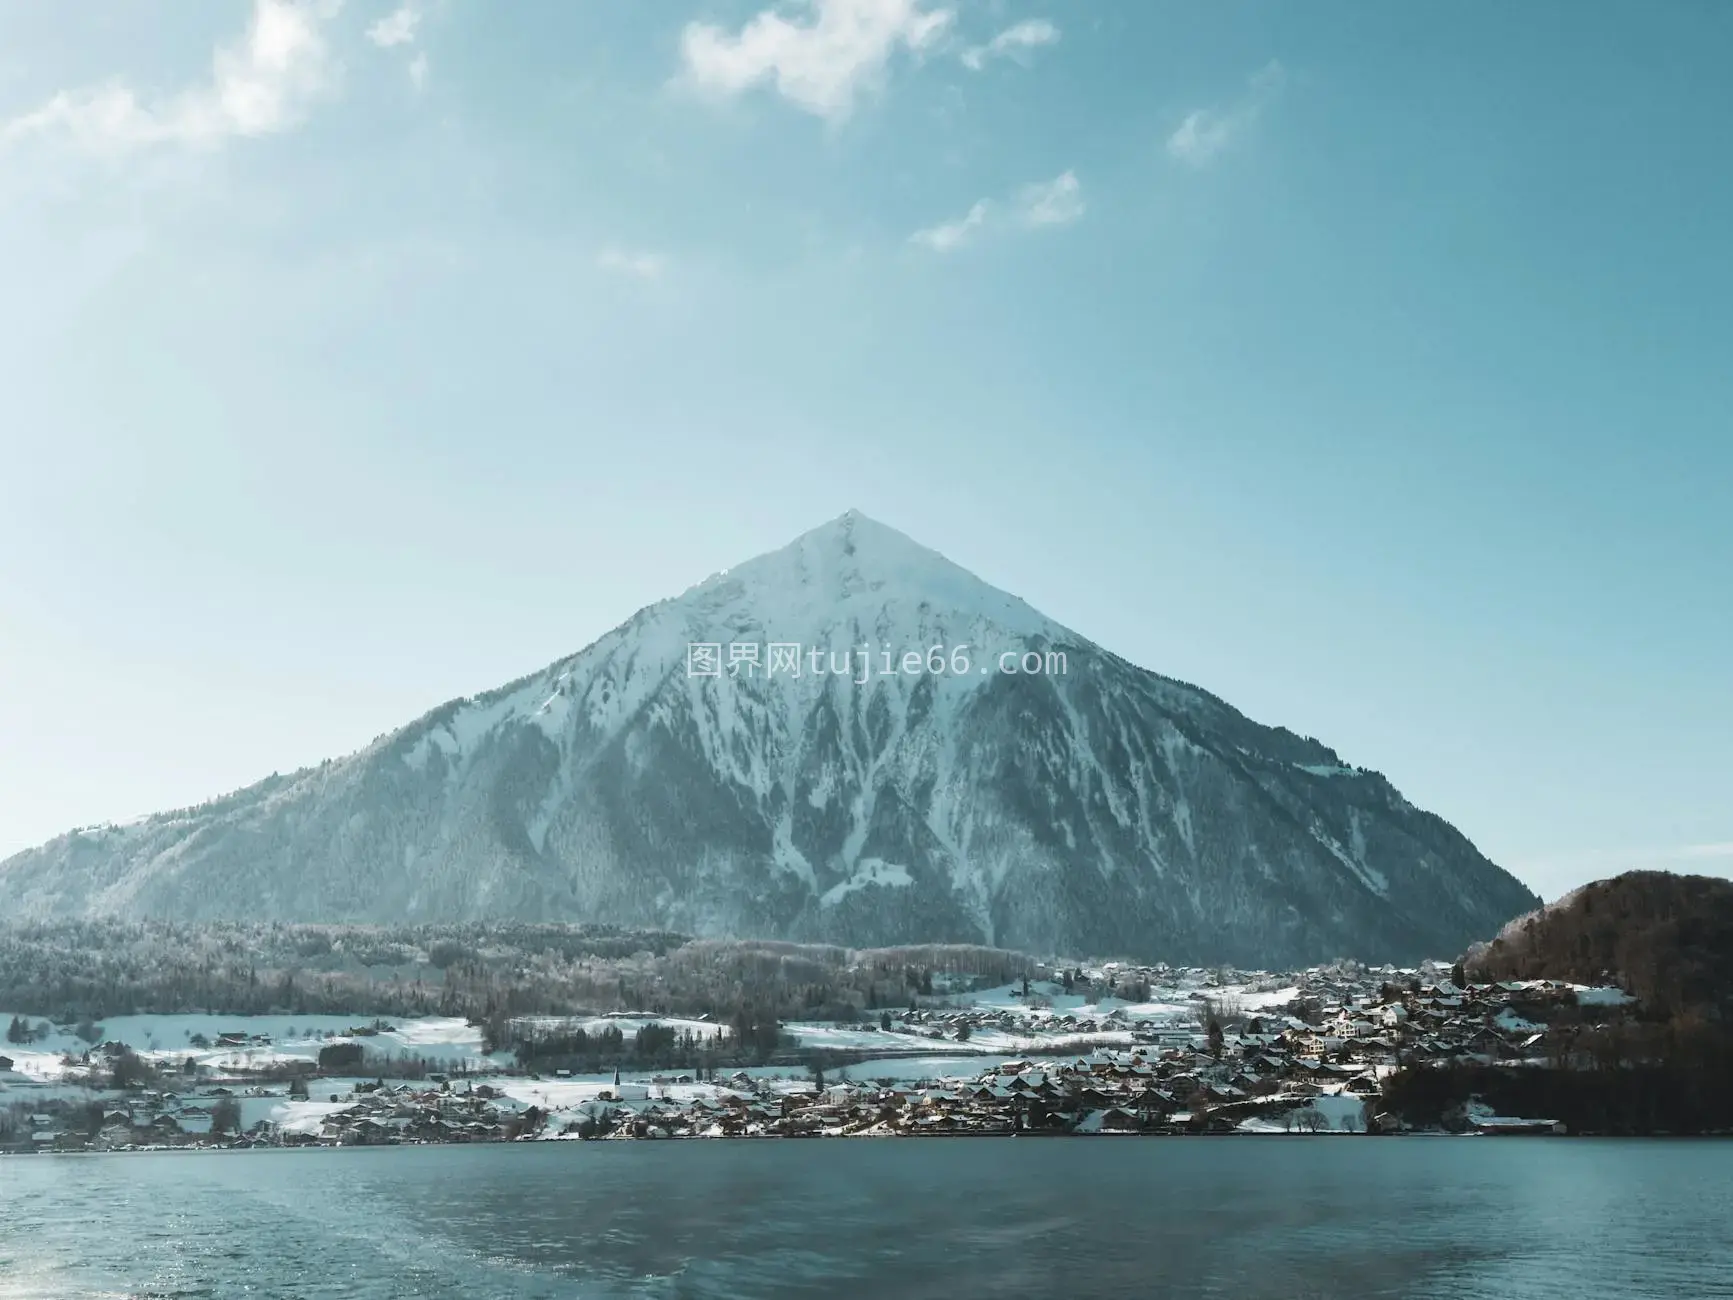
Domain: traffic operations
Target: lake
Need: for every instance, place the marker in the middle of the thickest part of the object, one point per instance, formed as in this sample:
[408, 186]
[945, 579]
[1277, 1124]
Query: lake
[1281, 1217]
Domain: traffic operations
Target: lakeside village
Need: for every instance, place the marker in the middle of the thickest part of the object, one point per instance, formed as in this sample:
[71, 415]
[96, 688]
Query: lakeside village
[1189, 1052]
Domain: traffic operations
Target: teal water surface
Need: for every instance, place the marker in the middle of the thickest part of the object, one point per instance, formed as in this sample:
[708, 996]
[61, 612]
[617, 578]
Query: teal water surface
[1277, 1217]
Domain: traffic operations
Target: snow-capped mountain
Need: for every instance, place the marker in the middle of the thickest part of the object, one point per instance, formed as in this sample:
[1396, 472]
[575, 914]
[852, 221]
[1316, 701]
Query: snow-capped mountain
[1085, 807]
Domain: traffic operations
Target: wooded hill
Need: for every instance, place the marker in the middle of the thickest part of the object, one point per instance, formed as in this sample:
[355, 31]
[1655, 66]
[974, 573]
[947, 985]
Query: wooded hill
[1660, 1064]
[1666, 939]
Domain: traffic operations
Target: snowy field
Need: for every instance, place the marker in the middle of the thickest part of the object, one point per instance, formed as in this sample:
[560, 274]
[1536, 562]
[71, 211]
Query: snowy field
[169, 1040]
[923, 1069]
[1077, 1021]
[1342, 1112]
[1174, 1005]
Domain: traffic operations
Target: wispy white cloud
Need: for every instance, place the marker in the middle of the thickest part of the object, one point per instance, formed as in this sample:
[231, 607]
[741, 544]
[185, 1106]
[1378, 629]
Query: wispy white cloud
[401, 27]
[1057, 202]
[638, 265]
[264, 83]
[397, 27]
[1205, 132]
[1013, 43]
[821, 60]
[948, 235]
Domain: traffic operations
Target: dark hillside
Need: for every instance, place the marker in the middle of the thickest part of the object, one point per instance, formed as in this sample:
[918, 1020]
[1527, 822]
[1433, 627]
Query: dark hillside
[1660, 1064]
[1666, 939]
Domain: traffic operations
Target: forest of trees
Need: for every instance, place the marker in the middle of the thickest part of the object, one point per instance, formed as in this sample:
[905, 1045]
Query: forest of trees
[79, 971]
[749, 1039]
[1663, 1064]
[1666, 939]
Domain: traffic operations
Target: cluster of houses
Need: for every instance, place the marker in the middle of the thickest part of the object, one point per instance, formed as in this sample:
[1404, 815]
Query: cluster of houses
[362, 1113]
[137, 1119]
[1313, 1060]
[385, 1114]
[1316, 1063]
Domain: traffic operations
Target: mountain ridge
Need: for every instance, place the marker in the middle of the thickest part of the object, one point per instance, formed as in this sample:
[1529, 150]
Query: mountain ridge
[1103, 809]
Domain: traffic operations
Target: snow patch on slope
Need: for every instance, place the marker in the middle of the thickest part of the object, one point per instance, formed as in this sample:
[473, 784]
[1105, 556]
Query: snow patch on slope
[872, 871]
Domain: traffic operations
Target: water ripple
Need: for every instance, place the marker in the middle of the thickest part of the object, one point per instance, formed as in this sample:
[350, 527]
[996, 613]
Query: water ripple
[1247, 1218]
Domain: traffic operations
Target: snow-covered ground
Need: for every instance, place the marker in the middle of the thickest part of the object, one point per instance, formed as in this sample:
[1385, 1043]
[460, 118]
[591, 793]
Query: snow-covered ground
[169, 1039]
[304, 1117]
[982, 1040]
[916, 1069]
[1507, 1021]
[1589, 996]
[1342, 1112]
[1176, 1004]
[1040, 1023]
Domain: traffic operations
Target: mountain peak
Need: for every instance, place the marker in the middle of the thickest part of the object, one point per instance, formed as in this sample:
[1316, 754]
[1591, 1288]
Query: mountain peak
[1095, 809]
[864, 545]
[854, 568]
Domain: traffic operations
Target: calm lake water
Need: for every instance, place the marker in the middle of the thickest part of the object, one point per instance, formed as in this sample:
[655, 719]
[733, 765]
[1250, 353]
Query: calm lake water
[1287, 1218]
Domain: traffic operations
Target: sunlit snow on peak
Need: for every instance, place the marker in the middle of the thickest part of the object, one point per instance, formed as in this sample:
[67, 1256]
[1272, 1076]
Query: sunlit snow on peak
[858, 574]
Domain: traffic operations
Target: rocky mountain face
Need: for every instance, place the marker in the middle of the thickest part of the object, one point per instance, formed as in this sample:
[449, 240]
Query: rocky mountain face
[1083, 807]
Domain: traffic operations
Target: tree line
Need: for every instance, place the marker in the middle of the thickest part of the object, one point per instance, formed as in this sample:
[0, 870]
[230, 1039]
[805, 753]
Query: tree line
[81, 970]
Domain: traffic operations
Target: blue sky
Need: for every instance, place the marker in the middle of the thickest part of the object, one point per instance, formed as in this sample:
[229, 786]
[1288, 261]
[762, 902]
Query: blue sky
[1366, 365]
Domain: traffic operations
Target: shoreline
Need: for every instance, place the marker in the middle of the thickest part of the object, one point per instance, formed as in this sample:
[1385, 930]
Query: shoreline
[226, 1148]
